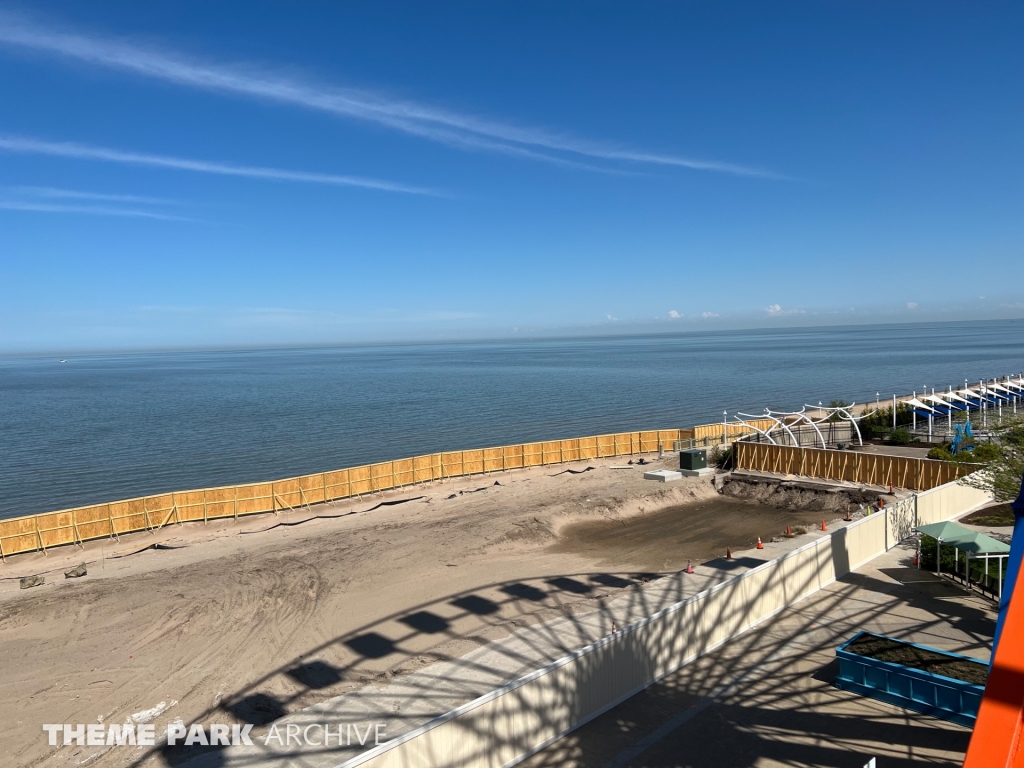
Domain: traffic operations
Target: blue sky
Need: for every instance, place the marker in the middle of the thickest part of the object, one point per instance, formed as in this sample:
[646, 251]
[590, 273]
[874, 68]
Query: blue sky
[196, 174]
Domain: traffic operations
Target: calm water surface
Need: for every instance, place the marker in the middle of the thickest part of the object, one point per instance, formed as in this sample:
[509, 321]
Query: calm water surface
[102, 427]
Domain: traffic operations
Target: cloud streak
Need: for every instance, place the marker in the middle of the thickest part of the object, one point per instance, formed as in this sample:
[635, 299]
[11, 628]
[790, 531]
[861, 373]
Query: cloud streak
[88, 152]
[464, 131]
[12, 205]
[74, 194]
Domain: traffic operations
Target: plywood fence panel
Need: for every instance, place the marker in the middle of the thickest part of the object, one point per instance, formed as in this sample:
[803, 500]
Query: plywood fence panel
[515, 456]
[337, 484]
[551, 452]
[731, 431]
[55, 529]
[850, 466]
[220, 502]
[571, 450]
[668, 436]
[588, 447]
[472, 462]
[252, 498]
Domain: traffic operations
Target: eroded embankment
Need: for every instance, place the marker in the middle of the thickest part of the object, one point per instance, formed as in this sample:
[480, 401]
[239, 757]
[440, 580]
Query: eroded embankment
[796, 494]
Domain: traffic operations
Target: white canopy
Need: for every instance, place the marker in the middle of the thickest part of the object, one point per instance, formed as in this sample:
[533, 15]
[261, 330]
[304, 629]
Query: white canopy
[939, 401]
[952, 396]
[918, 404]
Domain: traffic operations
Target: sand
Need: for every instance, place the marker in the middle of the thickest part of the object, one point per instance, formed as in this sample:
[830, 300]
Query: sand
[245, 627]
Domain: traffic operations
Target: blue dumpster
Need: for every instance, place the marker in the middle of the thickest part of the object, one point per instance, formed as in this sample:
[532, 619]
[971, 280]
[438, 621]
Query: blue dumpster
[928, 692]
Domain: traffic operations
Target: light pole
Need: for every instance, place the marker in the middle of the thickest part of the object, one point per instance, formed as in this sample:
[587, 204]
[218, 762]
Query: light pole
[725, 427]
[949, 414]
[984, 404]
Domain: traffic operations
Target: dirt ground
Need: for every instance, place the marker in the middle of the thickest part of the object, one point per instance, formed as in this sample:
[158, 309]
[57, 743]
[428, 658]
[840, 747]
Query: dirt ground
[232, 622]
[666, 539]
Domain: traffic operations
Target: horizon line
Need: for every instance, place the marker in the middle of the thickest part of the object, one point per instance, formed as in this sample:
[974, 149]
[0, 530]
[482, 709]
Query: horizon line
[512, 337]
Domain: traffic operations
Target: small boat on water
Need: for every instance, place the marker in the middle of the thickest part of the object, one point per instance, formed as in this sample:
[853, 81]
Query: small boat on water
[63, 361]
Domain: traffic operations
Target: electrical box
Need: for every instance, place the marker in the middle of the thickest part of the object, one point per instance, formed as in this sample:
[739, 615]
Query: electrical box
[693, 459]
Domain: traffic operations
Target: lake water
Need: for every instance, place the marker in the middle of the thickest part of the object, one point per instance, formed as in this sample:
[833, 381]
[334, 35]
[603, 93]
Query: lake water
[104, 427]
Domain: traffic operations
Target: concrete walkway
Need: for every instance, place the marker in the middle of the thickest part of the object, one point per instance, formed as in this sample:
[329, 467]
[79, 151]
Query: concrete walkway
[766, 699]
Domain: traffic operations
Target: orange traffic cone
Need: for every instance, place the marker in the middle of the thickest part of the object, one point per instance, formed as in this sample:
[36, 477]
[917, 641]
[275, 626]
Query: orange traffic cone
[915, 559]
[847, 518]
[881, 503]
[759, 544]
[689, 568]
[789, 531]
[728, 554]
[891, 493]
[823, 526]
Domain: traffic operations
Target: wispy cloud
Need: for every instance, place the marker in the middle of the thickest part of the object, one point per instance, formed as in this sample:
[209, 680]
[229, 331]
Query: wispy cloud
[93, 210]
[89, 152]
[74, 194]
[465, 131]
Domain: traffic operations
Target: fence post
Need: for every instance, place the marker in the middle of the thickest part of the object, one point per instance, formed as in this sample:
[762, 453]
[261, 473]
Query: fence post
[39, 535]
[74, 525]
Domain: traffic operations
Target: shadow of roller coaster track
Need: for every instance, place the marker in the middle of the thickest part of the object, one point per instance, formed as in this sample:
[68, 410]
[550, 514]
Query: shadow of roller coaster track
[531, 601]
[860, 601]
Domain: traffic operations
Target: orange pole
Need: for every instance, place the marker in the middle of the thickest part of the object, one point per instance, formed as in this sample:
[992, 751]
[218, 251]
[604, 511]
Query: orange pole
[997, 739]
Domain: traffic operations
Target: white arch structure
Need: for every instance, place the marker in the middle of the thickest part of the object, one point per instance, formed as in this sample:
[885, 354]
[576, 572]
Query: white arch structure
[799, 416]
[844, 414]
[786, 419]
[778, 423]
[783, 422]
[766, 432]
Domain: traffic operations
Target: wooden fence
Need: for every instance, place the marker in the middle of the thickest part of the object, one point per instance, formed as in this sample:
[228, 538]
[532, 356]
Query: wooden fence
[731, 431]
[147, 513]
[852, 466]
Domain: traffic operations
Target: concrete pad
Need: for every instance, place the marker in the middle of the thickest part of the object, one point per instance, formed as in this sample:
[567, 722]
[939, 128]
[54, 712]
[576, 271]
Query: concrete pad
[663, 475]
[703, 472]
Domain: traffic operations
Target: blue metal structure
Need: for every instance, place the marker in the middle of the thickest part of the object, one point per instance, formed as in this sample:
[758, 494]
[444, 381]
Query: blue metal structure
[926, 692]
[1012, 564]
